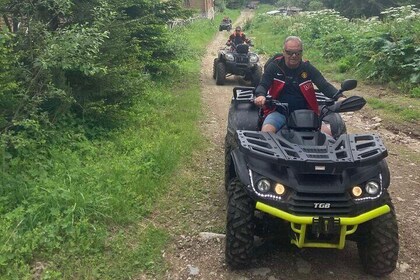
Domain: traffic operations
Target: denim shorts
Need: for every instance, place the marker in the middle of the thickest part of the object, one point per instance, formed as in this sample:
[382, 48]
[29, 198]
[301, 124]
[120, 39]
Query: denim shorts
[275, 119]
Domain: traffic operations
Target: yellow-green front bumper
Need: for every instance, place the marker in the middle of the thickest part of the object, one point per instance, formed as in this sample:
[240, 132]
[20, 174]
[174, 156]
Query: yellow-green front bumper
[348, 225]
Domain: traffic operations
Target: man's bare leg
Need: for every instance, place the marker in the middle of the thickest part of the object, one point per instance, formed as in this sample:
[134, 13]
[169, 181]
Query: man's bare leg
[268, 128]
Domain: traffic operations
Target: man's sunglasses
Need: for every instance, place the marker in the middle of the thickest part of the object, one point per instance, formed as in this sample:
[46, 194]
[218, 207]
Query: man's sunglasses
[297, 53]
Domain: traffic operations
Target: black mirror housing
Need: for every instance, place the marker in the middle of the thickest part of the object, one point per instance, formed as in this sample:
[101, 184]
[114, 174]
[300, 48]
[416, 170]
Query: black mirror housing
[348, 85]
[351, 104]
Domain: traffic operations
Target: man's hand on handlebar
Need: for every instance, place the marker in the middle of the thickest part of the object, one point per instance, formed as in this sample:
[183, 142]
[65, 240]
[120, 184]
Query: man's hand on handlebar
[259, 101]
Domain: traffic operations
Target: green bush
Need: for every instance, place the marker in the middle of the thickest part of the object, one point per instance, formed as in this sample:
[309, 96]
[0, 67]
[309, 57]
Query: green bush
[344, 64]
[415, 92]
[383, 50]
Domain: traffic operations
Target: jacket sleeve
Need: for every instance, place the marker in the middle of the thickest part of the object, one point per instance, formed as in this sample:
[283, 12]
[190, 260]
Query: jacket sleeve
[229, 39]
[244, 38]
[321, 83]
[266, 80]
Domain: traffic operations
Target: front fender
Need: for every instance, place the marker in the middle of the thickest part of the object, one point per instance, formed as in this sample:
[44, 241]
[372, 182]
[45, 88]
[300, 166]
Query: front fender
[241, 168]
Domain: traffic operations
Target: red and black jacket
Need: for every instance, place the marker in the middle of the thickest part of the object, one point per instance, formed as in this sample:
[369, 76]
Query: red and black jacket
[237, 39]
[274, 80]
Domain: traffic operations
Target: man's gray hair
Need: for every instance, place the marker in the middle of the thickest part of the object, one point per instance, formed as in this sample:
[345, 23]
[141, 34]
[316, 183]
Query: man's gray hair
[293, 38]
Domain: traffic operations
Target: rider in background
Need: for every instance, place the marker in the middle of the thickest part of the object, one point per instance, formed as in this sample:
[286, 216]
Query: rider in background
[237, 37]
[227, 20]
[291, 80]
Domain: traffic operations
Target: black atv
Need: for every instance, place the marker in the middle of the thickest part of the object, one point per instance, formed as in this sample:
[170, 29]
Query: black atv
[237, 60]
[225, 25]
[320, 190]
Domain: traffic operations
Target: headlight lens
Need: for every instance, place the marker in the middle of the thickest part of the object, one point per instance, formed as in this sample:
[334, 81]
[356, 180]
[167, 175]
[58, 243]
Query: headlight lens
[229, 57]
[263, 185]
[279, 189]
[253, 58]
[372, 188]
[357, 191]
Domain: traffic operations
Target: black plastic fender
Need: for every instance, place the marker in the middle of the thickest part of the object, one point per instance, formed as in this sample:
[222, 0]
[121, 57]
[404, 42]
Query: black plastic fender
[242, 116]
[241, 168]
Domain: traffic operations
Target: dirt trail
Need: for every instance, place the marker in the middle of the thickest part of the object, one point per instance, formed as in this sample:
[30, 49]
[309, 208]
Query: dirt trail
[194, 256]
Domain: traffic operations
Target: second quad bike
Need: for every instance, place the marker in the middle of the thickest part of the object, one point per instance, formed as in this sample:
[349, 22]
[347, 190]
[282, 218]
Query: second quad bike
[225, 25]
[237, 60]
[321, 190]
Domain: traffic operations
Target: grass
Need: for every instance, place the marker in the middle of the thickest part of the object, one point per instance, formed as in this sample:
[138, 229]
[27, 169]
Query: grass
[81, 208]
[406, 113]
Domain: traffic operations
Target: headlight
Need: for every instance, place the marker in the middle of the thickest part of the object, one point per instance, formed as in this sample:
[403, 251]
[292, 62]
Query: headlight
[253, 58]
[372, 188]
[229, 57]
[356, 191]
[279, 189]
[263, 185]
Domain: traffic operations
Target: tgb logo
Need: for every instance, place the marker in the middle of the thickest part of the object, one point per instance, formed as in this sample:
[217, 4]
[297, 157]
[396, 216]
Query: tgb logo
[322, 205]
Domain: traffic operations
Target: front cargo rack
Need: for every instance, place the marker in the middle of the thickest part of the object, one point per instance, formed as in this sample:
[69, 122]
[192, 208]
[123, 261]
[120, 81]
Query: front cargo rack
[348, 151]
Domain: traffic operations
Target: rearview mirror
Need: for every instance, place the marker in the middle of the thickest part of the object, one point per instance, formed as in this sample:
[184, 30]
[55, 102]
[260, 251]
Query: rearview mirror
[348, 85]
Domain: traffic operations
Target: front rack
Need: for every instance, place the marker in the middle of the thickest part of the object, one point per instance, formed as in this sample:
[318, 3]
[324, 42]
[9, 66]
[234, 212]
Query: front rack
[348, 151]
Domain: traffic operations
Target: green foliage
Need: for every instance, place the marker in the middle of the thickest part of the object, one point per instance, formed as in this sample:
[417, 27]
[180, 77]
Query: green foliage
[235, 4]
[415, 92]
[74, 195]
[220, 5]
[382, 50]
[87, 59]
[345, 64]
[9, 85]
[362, 8]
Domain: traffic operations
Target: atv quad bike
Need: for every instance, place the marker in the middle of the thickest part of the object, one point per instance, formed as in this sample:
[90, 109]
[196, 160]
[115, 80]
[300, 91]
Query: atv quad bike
[237, 60]
[225, 25]
[322, 190]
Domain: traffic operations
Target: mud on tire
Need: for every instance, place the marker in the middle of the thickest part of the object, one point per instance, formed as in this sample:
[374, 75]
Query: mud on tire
[378, 243]
[240, 226]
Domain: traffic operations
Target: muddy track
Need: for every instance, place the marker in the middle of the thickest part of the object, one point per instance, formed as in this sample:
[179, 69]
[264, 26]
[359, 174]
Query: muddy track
[194, 256]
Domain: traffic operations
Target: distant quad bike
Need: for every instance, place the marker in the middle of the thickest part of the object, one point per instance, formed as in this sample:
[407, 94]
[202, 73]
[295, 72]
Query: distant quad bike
[237, 60]
[225, 25]
[251, 6]
[320, 190]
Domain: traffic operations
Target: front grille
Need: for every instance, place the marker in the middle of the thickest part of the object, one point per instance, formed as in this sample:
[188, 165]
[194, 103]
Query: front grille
[304, 203]
[242, 59]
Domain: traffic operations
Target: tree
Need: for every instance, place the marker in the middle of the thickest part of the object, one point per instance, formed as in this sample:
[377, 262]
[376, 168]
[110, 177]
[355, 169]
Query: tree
[79, 61]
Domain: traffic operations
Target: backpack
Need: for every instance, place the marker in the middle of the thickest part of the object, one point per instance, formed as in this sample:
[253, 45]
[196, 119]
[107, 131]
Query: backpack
[271, 59]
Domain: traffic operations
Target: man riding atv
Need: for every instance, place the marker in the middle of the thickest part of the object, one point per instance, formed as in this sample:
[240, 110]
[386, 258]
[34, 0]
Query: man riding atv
[290, 79]
[237, 37]
[237, 60]
[285, 175]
